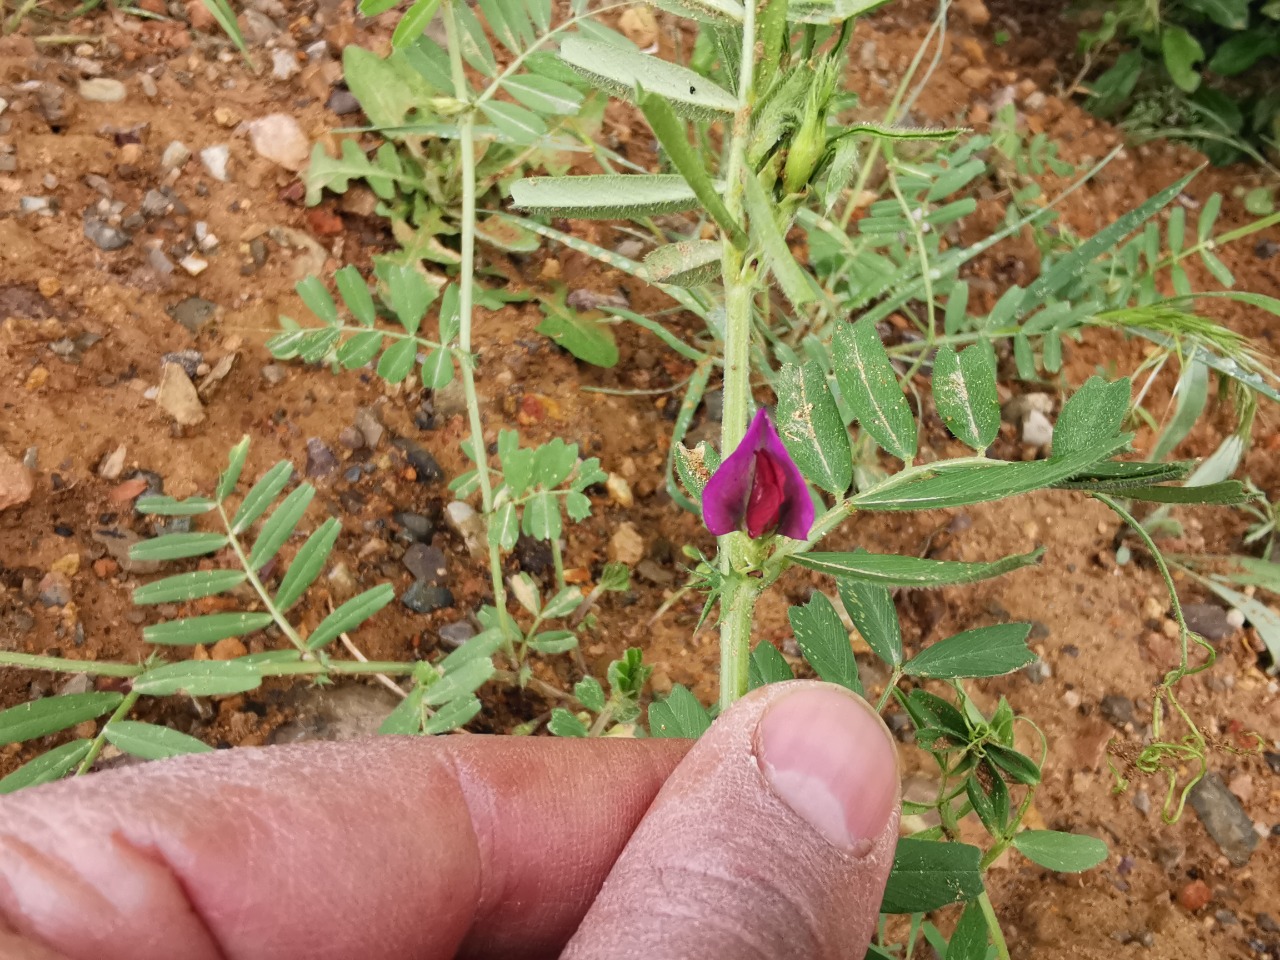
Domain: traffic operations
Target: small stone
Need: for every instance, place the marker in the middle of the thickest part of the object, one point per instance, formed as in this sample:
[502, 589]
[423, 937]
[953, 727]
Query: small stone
[284, 64]
[415, 526]
[193, 265]
[975, 11]
[424, 598]
[215, 160]
[155, 204]
[1235, 618]
[1035, 101]
[341, 583]
[467, 524]
[1194, 895]
[1209, 620]
[228, 648]
[320, 459]
[75, 684]
[1117, 709]
[192, 313]
[336, 712]
[257, 27]
[175, 155]
[639, 25]
[278, 137]
[660, 681]
[274, 373]
[1037, 431]
[118, 544]
[423, 463]
[426, 563]
[1018, 407]
[112, 464]
[1224, 818]
[343, 102]
[370, 426]
[188, 360]
[16, 483]
[1241, 784]
[104, 236]
[1273, 760]
[177, 396]
[1071, 699]
[1142, 802]
[626, 545]
[619, 490]
[105, 567]
[148, 85]
[654, 573]
[456, 634]
[102, 90]
[54, 589]
[351, 438]
[1267, 923]
[1038, 671]
[68, 564]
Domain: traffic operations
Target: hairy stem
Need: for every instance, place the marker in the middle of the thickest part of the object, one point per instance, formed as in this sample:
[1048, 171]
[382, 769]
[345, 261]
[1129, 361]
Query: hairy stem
[737, 608]
[100, 740]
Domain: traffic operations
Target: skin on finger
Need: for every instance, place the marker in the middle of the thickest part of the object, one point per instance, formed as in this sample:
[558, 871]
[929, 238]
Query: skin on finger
[388, 848]
[723, 868]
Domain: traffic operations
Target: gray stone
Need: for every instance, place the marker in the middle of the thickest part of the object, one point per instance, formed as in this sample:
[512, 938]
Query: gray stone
[192, 313]
[456, 634]
[1117, 709]
[278, 137]
[284, 64]
[370, 426]
[320, 459]
[336, 712]
[155, 204]
[424, 598]
[415, 526]
[104, 236]
[274, 373]
[1037, 671]
[343, 102]
[468, 524]
[258, 28]
[351, 438]
[1225, 819]
[427, 563]
[423, 463]
[1209, 620]
[76, 683]
[188, 360]
[55, 590]
[175, 155]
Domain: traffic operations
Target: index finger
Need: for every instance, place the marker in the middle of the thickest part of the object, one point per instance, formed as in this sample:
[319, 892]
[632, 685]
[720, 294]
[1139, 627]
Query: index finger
[388, 848]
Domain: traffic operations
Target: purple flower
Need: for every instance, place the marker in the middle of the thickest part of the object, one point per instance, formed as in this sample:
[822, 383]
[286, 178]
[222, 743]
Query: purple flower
[758, 488]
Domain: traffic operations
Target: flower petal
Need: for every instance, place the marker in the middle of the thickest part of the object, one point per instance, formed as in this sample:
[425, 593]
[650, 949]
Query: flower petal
[797, 509]
[724, 498]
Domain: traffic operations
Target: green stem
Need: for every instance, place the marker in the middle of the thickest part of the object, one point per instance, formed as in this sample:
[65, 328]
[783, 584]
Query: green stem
[466, 296]
[259, 588]
[737, 609]
[65, 665]
[993, 926]
[557, 558]
[100, 740]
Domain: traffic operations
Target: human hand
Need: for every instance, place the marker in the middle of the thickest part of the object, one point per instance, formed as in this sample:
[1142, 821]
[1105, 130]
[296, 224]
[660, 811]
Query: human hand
[772, 836]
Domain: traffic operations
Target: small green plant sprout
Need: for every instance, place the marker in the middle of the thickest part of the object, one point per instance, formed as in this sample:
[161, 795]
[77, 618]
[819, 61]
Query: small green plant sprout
[614, 715]
[247, 542]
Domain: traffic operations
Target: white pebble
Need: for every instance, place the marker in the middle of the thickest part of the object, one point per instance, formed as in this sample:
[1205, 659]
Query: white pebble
[194, 265]
[175, 155]
[215, 160]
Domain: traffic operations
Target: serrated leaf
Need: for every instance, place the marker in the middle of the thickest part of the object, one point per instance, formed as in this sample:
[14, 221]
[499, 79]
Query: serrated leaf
[870, 607]
[452, 716]
[623, 72]
[1093, 412]
[553, 462]
[280, 525]
[51, 714]
[260, 495]
[178, 546]
[390, 92]
[767, 666]
[679, 715]
[396, 362]
[408, 294]
[929, 874]
[350, 615]
[983, 652]
[355, 295]
[824, 642]
[49, 766]
[152, 742]
[542, 517]
[543, 94]
[964, 389]
[199, 678]
[188, 586]
[307, 563]
[870, 387]
[687, 263]
[562, 604]
[590, 694]
[705, 11]
[459, 682]
[210, 628]
[892, 570]
[1063, 852]
[811, 427]
[604, 196]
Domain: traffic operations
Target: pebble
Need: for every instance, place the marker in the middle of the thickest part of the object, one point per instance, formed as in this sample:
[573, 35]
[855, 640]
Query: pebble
[118, 543]
[104, 236]
[351, 438]
[76, 683]
[423, 463]
[467, 524]
[155, 204]
[655, 573]
[619, 490]
[320, 459]
[188, 360]
[257, 27]
[1194, 895]
[456, 634]
[193, 265]
[343, 102]
[278, 137]
[1037, 430]
[1117, 709]
[228, 648]
[175, 155]
[274, 373]
[1142, 802]
[425, 597]
[192, 313]
[415, 526]
[54, 589]
[177, 396]
[148, 85]
[16, 482]
[1037, 671]
[215, 160]
[38, 205]
[626, 545]
[370, 426]
[112, 464]
[335, 712]
[341, 583]
[1209, 620]
[1224, 818]
[102, 90]
[426, 563]
[975, 11]
[284, 64]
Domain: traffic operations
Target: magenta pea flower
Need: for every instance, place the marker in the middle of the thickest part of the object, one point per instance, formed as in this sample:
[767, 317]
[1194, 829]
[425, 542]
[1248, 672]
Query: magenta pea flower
[758, 488]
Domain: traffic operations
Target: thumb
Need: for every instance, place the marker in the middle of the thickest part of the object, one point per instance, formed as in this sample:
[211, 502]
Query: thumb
[773, 838]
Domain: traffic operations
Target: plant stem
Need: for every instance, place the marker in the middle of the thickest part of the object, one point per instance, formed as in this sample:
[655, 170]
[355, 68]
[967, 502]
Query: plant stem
[466, 280]
[993, 926]
[276, 614]
[100, 740]
[65, 665]
[737, 601]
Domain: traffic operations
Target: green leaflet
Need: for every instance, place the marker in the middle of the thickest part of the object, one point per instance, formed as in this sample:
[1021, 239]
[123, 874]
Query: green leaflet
[604, 196]
[1064, 852]
[983, 652]
[896, 571]
[687, 263]
[623, 72]
[824, 642]
[811, 427]
[928, 874]
[870, 387]
[964, 390]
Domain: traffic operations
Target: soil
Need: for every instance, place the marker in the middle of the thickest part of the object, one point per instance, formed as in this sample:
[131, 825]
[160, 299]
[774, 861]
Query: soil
[83, 330]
